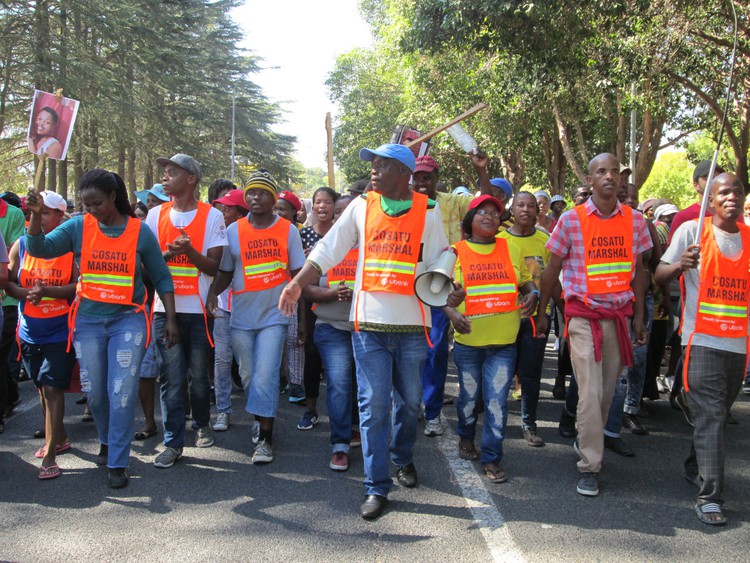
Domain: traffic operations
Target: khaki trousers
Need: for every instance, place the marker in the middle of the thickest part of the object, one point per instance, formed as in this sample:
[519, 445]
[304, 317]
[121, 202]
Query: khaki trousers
[596, 385]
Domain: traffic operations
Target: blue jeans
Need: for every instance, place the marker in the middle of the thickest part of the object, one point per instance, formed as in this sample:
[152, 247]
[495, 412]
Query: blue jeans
[436, 365]
[184, 363]
[223, 362]
[484, 374]
[637, 373]
[389, 392]
[335, 347]
[529, 364]
[110, 351]
[259, 356]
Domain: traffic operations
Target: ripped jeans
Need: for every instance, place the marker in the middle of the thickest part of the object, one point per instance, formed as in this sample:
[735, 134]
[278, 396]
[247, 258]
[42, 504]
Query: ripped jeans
[110, 351]
[484, 374]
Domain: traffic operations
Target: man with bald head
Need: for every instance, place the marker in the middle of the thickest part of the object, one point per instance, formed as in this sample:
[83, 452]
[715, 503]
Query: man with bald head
[716, 292]
[597, 245]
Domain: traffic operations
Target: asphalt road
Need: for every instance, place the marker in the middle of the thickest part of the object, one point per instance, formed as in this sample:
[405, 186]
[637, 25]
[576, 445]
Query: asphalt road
[215, 505]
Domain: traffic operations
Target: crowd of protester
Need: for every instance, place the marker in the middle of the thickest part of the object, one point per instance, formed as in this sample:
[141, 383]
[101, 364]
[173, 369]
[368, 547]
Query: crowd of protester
[271, 293]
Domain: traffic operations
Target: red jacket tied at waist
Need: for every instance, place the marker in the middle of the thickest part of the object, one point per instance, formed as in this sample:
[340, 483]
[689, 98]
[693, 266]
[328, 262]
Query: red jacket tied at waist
[576, 308]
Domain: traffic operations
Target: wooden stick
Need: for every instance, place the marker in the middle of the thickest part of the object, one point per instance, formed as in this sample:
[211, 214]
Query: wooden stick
[39, 171]
[480, 106]
[329, 134]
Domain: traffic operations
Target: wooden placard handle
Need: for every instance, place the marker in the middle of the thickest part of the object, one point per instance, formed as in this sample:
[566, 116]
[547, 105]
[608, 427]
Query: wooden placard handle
[468, 113]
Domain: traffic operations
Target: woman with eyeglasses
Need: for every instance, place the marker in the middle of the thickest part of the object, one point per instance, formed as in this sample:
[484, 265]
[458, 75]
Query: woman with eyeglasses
[498, 288]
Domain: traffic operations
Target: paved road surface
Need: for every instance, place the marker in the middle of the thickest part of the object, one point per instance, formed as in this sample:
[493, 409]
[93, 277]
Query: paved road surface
[214, 505]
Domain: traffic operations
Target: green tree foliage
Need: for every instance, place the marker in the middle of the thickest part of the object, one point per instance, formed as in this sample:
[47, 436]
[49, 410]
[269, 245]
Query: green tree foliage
[558, 77]
[671, 178]
[154, 78]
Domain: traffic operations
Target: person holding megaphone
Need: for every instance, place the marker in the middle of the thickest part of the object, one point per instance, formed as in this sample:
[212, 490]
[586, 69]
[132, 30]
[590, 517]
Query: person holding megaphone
[498, 288]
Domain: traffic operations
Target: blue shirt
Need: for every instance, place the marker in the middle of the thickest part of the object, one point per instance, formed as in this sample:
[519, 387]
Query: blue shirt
[33, 329]
[68, 237]
[255, 310]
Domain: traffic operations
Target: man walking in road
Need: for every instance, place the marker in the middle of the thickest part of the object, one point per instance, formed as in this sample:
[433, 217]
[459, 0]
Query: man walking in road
[716, 292]
[598, 246]
[400, 235]
[192, 238]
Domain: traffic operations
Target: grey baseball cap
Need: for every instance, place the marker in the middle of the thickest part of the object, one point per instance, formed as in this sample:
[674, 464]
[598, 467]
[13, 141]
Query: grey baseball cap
[184, 161]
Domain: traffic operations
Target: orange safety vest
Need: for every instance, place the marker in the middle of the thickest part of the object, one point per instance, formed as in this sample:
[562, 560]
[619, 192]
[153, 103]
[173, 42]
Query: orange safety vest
[489, 279]
[391, 251]
[264, 255]
[392, 245]
[607, 250]
[346, 271]
[723, 291]
[185, 274]
[108, 269]
[50, 272]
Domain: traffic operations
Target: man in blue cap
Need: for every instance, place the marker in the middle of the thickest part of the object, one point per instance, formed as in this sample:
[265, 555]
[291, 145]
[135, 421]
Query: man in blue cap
[400, 235]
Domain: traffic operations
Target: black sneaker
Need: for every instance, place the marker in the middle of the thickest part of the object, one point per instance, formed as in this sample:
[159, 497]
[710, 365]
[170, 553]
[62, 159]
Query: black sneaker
[118, 478]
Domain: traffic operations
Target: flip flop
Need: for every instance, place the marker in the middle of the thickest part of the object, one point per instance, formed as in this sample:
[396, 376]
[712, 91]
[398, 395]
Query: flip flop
[144, 435]
[50, 472]
[495, 475]
[703, 510]
[59, 449]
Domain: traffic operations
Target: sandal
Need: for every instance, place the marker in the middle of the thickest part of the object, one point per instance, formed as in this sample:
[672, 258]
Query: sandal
[59, 449]
[495, 475]
[467, 451]
[704, 510]
[50, 472]
[144, 434]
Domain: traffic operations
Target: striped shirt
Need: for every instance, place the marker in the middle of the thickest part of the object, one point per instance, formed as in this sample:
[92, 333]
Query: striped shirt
[566, 242]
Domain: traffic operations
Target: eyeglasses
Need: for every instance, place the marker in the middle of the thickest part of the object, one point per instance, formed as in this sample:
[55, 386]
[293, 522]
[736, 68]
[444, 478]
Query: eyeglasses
[486, 213]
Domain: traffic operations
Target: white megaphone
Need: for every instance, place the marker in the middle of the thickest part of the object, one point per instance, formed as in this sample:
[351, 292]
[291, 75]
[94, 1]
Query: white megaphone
[432, 287]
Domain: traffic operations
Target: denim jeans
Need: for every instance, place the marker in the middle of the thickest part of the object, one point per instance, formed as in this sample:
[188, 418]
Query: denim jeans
[529, 364]
[110, 351]
[436, 365]
[149, 366]
[259, 356]
[184, 363]
[389, 392]
[484, 374]
[223, 361]
[637, 373]
[335, 347]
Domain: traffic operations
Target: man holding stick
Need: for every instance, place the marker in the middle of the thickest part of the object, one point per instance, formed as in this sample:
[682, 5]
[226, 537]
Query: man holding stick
[400, 235]
[716, 292]
[598, 246]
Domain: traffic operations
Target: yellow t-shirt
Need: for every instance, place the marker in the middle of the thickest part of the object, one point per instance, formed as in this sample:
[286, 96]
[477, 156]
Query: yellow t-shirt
[534, 252]
[453, 207]
[500, 328]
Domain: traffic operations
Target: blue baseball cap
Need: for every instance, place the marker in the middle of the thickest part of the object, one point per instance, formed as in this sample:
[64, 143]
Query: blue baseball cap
[398, 152]
[504, 185]
[156, 190]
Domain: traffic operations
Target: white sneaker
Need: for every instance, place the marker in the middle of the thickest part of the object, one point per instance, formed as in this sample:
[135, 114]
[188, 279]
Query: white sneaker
[222, 422]
[433, 427]
[168, 457]
[263, 453]
[255, 432]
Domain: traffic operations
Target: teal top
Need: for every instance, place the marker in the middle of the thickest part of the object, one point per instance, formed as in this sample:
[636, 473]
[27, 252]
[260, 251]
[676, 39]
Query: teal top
[68, 237]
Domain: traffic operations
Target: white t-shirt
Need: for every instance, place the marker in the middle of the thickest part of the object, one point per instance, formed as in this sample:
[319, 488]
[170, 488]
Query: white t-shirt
[730, 245]
[215, 236]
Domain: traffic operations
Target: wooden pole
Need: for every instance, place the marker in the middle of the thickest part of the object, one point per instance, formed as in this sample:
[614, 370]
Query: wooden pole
[480, 106]
[329, 134]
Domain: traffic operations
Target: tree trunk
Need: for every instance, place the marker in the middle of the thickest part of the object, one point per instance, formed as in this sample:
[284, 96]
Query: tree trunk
[62, 178]
[565, 143]
[52, 175]
[131, 182]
